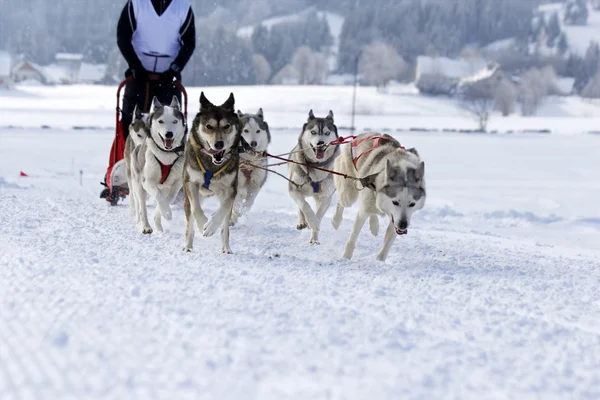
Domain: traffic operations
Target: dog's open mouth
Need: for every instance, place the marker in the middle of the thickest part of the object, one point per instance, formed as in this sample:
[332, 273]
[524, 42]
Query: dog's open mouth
[399, 231]
[217, 155]
[319, 152]
[168, 143]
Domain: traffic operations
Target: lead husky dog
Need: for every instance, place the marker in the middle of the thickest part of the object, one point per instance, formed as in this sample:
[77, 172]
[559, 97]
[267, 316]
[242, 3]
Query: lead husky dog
[158, 162]
[255, 131]
[392, 183]
[313, 150]
[211, 168]
[138, 132]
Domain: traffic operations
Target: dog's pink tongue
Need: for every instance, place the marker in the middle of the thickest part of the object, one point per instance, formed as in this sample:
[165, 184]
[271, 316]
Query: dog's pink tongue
[168, 143]
[320, 154]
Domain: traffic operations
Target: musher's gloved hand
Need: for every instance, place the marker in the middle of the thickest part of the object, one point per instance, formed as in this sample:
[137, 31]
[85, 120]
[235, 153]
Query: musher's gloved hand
[139, 74]
[173, 73]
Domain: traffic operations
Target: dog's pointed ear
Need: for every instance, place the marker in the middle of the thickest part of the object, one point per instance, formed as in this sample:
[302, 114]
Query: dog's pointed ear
[392, 173]
[260, 114]
[420, 171]
[240, 113]
[311, 116]
[155, 104]
[330, 115]
[137, 113]
[204, 102]
[175, 103]
[229, 103]
[414, 151]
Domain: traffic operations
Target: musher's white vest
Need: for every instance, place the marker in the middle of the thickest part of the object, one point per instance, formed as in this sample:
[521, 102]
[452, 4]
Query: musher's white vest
[156, 39]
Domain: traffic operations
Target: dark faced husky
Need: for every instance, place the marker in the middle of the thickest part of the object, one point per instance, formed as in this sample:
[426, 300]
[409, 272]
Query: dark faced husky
[138, 132]
[255, 131]
[211, 168]
[158, 162]
[392, 183]
[312, 150]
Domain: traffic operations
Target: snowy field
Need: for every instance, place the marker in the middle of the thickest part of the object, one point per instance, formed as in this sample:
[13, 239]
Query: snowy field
[494, 294]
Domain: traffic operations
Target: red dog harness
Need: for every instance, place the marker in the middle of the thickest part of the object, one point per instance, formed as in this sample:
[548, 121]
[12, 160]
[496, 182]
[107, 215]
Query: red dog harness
[357, 142]
[165, 170]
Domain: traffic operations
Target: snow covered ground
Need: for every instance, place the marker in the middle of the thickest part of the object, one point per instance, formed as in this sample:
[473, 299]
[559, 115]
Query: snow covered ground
[493, 294]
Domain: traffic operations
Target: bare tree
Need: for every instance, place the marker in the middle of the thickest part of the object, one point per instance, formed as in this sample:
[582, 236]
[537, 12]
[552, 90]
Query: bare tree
[535, 85]
[480, 108]
[380, 63]
[303, 63]
[310, 66]
[505, 97]
[592, 89]
[262, 69]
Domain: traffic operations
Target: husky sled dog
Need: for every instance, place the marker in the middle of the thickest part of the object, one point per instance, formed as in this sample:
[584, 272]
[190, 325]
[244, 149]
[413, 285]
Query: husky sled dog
[392, 183]
[211, 168]
[312, 150]
[158, 162]
[138, 132]
[256, 134]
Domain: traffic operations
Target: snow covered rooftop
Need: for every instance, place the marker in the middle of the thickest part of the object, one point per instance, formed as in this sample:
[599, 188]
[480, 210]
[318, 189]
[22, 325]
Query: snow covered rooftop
[91, 73]
[451, 68]
[68, 57]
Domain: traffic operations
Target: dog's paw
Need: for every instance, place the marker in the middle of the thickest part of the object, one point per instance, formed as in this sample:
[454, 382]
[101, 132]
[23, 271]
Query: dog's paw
[147, 231]
[166, 212]
[302, 226]
[227, 251]
[314, 241]
[187, 249]
[381, 257]
[211, 227]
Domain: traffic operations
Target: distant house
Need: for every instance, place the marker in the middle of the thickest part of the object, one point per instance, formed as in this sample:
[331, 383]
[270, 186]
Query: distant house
[91, 73]
[25, 70]
[70, 64]
[441, 75]
[484, 83]
[5, 64]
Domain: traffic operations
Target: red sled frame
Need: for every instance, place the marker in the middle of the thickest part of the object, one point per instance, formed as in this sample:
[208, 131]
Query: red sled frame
[118, 147]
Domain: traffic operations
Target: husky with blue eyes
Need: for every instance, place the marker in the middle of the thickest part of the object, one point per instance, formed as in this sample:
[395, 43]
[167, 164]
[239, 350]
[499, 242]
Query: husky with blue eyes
[313, 150]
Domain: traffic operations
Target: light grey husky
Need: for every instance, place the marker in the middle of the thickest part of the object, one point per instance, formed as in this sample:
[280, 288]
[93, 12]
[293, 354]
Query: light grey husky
[255, 131]
[138, 132]
[313, 151]
[392, 183]
[158, 162]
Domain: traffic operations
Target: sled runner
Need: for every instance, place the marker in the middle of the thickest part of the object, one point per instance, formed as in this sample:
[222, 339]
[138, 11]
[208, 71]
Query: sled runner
[116, 178]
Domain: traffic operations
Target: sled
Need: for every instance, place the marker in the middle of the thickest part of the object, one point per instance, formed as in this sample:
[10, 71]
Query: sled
[116, 178]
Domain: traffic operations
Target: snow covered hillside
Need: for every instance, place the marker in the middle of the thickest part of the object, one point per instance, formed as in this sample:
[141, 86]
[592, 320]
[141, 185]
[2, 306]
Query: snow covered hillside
[493, 293]
[579, 37]
[288, 106]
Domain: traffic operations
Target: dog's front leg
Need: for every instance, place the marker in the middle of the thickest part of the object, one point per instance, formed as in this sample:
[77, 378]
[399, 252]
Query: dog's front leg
[323, 204]
[225, 209]
[193, 191]
[390, 237]
[142, 197]
[361, 218]
[161, 200]
[309, 214]
[170, 198]
[338, 216]
[225, 232]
